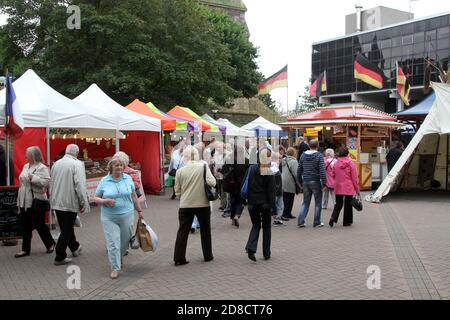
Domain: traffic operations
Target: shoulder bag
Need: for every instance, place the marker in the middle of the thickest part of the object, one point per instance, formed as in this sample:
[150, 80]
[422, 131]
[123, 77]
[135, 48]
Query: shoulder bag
[211, 193]
[297, 187]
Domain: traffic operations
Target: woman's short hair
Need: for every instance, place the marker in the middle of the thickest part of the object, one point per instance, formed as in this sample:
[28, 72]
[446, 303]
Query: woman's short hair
[329, 153]
[35, 154]
[113, 160]
[191, 154]
[291, 152]
[124, 157]
[343, 151]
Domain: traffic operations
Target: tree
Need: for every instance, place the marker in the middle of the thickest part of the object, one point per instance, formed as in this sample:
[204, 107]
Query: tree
[243, 53]
[267, 99]
[167, 52]
[306, 102]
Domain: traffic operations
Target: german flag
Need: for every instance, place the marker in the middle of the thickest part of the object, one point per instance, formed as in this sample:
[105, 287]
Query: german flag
[403, 85]
[368, 72]
[277, 80]
[313, 92]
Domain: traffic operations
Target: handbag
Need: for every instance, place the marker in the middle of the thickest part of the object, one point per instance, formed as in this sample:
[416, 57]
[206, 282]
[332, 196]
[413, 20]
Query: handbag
[211, 193]
[134, 240]
[356, 202]
[173, 172]
[297, 187]
[245, 185]
[38, 205]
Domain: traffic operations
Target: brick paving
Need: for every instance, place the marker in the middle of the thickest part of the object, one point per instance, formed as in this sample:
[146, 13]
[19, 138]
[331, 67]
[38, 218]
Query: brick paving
[406, 237]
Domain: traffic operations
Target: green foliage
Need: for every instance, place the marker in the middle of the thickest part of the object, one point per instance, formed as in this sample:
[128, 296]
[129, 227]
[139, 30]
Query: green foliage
[306, 102]
[267, 99]
[168, 52]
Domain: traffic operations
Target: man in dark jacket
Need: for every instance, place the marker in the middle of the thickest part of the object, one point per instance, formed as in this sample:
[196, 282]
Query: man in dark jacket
[301, 147]
[312, 176]
[394, 154]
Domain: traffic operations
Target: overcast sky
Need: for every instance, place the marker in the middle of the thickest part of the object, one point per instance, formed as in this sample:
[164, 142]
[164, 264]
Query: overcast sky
[284, 31]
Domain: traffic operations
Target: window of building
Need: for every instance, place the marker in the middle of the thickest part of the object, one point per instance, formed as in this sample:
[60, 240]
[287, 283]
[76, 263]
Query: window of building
[386, 43]
[419, 37]
[430, 35]
[418, 47]
[443, 32]
[407, 39]
[367, 47]
[407, 50]
[397, 41]
[420, 26]
[443, 43]
[396, 52]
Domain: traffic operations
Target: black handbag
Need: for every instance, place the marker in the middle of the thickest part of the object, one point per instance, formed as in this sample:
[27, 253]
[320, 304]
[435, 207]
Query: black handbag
[356, 202]
[173, 172]
[38, 205]
[211, 193]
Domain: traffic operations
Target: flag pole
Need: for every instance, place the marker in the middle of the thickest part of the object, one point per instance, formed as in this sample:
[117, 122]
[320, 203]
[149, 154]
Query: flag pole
[287, 90]
[7, 150]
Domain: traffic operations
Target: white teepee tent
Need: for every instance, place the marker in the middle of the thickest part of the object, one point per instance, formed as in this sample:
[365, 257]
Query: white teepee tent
[425, 162]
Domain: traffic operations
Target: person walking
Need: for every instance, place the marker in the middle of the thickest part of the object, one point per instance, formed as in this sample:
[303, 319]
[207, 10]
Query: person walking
[116, 194]
[345, 186]
[68, 197]
[134, 174]
[290, 185]
[394, 154]
[34, 181]
[190, 186]
[234, 170]
[330, 161]
[176, 162]
[311, 174]
[261, 204]
[275, 168]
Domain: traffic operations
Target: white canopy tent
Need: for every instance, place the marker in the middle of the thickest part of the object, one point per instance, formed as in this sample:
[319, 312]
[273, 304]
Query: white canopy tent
[235, 131]
[424, 164]
[261, 124]
[44, 107]
[125, 119]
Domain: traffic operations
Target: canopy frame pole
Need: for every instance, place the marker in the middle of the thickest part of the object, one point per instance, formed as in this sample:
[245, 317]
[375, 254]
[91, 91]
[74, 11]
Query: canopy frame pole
[47, 143]
[7, 157]
[447, 173]
[117, 140]
[161, 157]
[436, 158]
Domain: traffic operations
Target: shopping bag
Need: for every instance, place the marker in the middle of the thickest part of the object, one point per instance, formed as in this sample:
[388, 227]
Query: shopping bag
[357, 203]
[148, 240]
[78, 223]
[245, 184]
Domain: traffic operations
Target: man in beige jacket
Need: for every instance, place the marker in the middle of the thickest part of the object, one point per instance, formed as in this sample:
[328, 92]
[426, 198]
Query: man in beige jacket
[68, 197]
[190, 186]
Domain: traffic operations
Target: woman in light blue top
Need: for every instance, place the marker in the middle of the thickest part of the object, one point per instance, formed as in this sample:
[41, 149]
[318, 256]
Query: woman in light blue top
[117, 196]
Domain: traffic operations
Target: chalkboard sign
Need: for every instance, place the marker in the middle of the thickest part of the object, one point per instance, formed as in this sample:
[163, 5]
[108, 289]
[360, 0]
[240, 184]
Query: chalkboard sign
[10, 226]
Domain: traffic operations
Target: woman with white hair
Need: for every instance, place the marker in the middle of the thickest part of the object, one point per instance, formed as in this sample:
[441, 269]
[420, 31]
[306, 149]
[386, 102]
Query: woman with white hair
[117, 196]
[190, 183]
[34, 181]
[330, 161]
[130, 171]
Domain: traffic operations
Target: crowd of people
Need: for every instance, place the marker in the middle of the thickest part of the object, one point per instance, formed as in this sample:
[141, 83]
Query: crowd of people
[273, 177]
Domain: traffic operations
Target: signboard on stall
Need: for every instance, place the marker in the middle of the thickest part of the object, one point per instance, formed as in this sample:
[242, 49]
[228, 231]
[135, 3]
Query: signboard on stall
[311, 133]
[10, 226]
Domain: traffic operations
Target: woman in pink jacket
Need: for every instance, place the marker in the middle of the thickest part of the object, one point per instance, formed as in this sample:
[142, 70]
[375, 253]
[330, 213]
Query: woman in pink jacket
[345, 187]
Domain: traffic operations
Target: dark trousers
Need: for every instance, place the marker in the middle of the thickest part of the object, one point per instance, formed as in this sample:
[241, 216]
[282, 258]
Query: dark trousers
[260, 216]
[67, 238]
[185, 217]
[236, 206]
[346, 202]
[32, 218]
[288, 200]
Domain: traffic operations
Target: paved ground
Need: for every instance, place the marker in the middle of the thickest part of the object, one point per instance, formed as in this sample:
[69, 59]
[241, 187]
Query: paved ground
[407, 237]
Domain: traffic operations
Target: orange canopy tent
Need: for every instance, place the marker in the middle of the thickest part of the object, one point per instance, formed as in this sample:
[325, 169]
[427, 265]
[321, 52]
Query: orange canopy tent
[168, 123]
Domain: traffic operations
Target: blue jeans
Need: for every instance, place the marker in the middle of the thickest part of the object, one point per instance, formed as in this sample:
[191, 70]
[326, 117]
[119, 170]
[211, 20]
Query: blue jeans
[118, 229]
[280, 206]
[310, 188]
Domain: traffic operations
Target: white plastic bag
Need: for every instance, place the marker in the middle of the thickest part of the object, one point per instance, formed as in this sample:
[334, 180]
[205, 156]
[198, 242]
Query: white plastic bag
[78, 223]
[153, 235]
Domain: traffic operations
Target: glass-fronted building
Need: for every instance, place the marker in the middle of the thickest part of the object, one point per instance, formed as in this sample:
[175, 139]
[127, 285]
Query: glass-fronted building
[407, 43]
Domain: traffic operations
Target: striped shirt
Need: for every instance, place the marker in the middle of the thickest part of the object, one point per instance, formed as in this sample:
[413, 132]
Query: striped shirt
[311, 167]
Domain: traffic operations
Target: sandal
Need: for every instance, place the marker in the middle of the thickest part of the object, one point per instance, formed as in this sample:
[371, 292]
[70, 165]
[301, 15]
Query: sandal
[51, 249]
[21, 254]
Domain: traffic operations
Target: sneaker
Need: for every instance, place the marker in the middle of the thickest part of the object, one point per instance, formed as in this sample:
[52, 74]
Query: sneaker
[226, 215]
[77, 252]
[301, 225]
[63, 262]
[319, 225]
[278, 223]
[192, 230]
[114, 274]
[284, 219]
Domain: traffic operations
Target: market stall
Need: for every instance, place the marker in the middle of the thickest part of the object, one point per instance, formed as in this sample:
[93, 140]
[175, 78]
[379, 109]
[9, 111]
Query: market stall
[44, 109]
[235, 131]
[365, 131]
[135, 125]
[189, 115]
